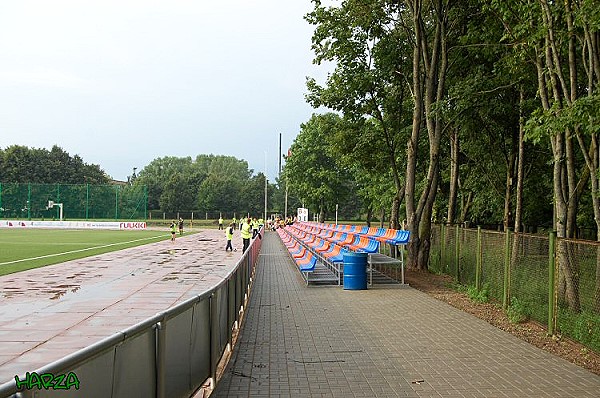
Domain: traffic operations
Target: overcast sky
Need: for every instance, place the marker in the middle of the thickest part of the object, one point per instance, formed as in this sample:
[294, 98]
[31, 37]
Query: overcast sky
[121, 83]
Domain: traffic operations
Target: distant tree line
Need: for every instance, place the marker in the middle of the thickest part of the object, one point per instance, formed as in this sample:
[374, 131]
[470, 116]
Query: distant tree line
[208, 183]
[21, 164]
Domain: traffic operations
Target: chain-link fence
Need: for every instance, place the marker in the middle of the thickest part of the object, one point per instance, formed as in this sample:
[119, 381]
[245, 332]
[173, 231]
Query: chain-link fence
[79, 201]
[555, 282]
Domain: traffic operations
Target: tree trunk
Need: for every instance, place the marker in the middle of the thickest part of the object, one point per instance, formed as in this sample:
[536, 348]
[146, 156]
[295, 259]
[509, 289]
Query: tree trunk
[517, 236]
[454, 169]
[465, 206]
[429, 75]
[510, 178]
[412, 217]
[551, 81]
[369, 215]
[321, 218]
[395, 212]
[520, 166]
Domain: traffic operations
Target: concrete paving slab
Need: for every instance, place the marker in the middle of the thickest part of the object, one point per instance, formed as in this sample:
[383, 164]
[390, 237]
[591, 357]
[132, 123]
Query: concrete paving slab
[299, 341]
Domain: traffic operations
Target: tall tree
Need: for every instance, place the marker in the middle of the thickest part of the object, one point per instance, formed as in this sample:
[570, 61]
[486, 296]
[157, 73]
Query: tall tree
[427, 25]
[561, 39]
[156, 176]
[368, 81]
[313, 173]
[37, 165]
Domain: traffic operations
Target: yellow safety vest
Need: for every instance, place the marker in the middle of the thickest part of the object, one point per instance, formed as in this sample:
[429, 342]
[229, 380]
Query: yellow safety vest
[245, 231]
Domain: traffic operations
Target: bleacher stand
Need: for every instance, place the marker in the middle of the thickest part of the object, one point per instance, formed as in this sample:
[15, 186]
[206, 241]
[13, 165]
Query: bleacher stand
[314, 246]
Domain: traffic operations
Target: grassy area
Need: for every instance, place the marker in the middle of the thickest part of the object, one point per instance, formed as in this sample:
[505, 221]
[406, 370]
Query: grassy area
[24, 249]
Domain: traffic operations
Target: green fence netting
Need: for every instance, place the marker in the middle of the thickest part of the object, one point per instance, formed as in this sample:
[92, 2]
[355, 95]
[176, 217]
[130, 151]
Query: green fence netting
[80, 201]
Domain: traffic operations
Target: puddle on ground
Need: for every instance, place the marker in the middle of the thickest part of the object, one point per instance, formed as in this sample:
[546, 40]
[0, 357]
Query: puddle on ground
[174, 251]
[58, 294]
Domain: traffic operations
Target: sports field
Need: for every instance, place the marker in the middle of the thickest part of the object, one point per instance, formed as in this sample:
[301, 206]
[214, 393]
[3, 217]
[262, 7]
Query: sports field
[22, 249]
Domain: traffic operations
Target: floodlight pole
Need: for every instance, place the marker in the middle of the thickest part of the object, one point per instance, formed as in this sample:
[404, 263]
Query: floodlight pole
[286, 198]
[265, 187]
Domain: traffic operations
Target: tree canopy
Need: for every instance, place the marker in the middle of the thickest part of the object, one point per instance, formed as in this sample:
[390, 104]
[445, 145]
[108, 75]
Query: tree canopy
[208, 183]
[473, 111]
[21, 164]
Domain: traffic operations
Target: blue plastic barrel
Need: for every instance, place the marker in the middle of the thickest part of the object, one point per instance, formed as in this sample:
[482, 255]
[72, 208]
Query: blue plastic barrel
[355, 271]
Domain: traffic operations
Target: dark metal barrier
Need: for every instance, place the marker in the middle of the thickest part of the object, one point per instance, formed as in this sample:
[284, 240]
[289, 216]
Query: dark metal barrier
[171, 354]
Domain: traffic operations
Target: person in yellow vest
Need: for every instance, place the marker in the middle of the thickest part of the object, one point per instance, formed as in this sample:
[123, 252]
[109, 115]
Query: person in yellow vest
[220, 223]
[246, 233]
[229, 236]
[234, 222]
[173, 227]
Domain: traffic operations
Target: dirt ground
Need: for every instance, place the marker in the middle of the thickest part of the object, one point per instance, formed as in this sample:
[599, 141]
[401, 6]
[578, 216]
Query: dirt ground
[439, 287]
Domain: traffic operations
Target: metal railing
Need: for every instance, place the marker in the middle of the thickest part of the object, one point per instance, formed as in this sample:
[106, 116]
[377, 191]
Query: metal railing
[171, 354]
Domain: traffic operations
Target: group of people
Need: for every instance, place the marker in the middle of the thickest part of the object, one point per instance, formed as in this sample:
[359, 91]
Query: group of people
[281, 222]
[249, 229]
[176, 225]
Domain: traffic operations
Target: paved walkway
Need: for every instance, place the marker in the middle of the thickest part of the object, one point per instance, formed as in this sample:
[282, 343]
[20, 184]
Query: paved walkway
[48, 313]
[300, 341]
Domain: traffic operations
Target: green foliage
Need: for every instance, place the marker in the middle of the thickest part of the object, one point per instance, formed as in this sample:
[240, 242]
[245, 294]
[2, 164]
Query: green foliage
[492, 50]
[479, 296]
[207, 183]
[312, 172]
[517, 311]
[20, 164]
[581, 116]
[582, 326]
[368, 46]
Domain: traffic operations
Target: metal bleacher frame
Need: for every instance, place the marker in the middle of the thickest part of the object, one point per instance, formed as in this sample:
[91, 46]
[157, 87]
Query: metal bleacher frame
[373, 260]
[315, 270]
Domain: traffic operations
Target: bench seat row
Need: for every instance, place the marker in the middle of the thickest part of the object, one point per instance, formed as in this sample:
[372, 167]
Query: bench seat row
[350, 241]
[302, 256]
[331, 252]
[384, 235]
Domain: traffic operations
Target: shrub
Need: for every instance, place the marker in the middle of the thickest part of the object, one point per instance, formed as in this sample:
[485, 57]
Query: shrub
[479, 296]
[517, 311]
[582, 327]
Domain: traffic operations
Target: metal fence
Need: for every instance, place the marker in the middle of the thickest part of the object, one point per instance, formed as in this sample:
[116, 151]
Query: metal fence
[80, 201]
[169, 355]
[555, 282]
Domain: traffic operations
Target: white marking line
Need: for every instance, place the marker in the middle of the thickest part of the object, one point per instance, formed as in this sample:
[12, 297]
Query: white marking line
[79, 250]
